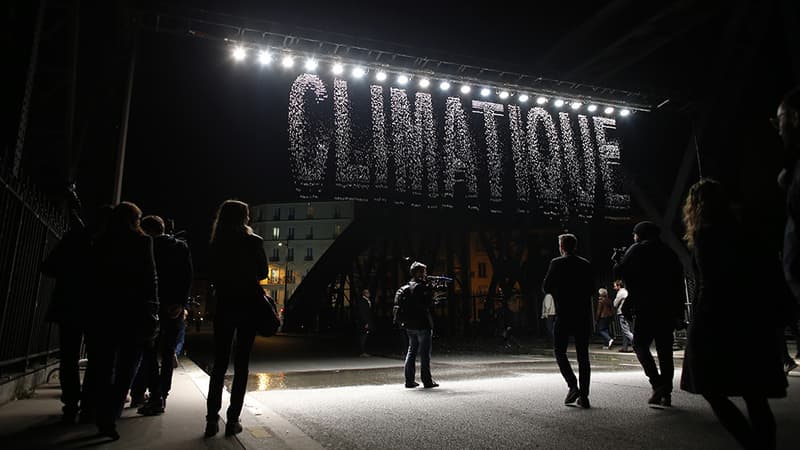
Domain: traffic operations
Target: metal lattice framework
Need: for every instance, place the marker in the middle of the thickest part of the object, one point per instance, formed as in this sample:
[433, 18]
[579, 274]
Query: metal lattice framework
[373, 55]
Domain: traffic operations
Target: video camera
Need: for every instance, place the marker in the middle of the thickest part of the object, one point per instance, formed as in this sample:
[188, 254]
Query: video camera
[619, 252]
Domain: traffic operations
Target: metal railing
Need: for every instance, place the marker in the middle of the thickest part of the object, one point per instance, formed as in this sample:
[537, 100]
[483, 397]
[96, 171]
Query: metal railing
[29, 229]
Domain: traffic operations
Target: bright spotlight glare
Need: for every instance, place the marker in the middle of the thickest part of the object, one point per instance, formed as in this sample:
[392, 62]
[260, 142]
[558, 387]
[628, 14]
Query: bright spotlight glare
[592, 108]
[504, 94]
[423, 83]
[402, 79]
[338, 69]
[608, 110]
[311, 65]
[287, 61]
[624, 112]
[558, 103]
[523, 98]
[444, 85]
[239, 53]
[575, 105]
[485, 92]
[541, 101]
[264, 57]
[380, 76]
[465, 89]
[359, 72]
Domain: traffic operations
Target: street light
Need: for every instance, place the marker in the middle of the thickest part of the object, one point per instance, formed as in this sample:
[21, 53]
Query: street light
[285, 274]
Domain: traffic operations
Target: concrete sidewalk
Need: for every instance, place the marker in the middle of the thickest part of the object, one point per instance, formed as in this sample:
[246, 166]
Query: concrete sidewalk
[33, 423]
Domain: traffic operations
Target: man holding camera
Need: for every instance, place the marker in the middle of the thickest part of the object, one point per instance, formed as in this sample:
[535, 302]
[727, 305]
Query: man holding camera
[653, 275]
[412, 311]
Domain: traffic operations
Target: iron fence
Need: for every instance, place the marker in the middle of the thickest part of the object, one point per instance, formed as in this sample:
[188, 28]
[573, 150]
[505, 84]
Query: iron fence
[29, 229]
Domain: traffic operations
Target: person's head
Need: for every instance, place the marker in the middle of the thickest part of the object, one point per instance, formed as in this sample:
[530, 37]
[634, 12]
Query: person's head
[787, 121]
[619, 284]
[153, 225]
[646, 231]
[418, 270]
[706, 204]
[567, 243]
[365, 293]
[602, 293]
[231, 220]
[125, 217]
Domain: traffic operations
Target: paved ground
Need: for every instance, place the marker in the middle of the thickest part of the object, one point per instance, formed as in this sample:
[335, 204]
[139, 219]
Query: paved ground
[313, 393]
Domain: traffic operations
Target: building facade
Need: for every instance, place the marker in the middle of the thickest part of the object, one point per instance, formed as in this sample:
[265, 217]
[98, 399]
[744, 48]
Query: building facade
[295, 236]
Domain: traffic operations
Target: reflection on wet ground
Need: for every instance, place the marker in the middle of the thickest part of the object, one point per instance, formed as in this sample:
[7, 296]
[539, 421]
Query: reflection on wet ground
[266, 381]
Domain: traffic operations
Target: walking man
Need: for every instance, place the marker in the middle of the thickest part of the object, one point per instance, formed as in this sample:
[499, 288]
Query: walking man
[624, 326]
[363, 321]
[569, 280]
[654, 277]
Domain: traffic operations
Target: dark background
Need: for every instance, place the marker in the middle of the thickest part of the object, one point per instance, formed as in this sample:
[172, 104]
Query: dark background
[199, 127]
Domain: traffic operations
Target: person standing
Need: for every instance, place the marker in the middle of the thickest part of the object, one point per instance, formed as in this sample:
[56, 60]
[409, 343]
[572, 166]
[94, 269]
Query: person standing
[569, 279]
[654, 277]
[364, 321]
[412, 311]
[605, 312]
[174, 270]
[723, 254]
[549, 313]
[238, 262]
[624, 326]
[123, 256]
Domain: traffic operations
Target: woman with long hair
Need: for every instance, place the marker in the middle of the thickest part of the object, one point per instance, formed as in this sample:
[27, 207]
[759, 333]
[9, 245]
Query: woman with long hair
[238, 263]
[715, 365]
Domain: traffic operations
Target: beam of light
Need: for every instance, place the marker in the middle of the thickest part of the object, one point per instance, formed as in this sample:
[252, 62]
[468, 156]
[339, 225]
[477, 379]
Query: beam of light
[423, 83]
[359, 72]
[609, 110]
[311, 65]
[380, 76]
[541, 100]
[402, 79]
[558, 103]
[624, 112]
[576, 105]
[287, 61]
[465, 89]
[444, 85]
[504, 94]
[523, 98]
[337, 69]
[591, 108]
[485, 92]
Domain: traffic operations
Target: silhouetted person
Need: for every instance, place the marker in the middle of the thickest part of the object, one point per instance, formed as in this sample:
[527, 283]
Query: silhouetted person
[69, 264]
[238, 262]
[603, 315]
[412, 310]
[624, 326]
[653, 275]
[725, 267]
[174, 270]
[363, 321]
[126, 308]
[787, 122]
[569, 279]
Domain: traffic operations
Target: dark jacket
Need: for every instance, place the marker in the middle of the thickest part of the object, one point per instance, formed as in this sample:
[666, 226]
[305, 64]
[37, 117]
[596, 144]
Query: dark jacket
[570, 281]
[414, 300]
[70, 264]
[238, 263]
[728, 296]
[174, 269]
[363, 313]
[653, 275]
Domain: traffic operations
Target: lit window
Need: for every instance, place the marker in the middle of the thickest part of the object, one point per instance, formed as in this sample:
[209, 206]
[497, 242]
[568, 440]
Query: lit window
[276, 233]
[273, 274]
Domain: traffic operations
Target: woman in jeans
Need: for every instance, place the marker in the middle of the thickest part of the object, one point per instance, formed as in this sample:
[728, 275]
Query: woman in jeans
[238, 262]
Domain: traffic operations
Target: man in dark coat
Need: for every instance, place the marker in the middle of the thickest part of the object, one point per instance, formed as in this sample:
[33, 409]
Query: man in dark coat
[569, 279]
[412, 311]
[174, 271]
[363, 321]
[653, 275]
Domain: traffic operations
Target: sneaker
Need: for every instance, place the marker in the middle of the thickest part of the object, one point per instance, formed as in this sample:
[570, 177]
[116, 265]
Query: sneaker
[610, 343]
[412, 385]
[789, 366]
[572, 396]
[583, 402]
[232, 428]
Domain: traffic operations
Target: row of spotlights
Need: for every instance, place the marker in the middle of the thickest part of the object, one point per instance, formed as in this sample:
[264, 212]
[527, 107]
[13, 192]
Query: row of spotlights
[311, 65]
